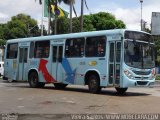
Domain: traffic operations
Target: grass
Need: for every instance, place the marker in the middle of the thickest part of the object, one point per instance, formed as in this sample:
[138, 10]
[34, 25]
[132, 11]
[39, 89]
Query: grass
[158, 77]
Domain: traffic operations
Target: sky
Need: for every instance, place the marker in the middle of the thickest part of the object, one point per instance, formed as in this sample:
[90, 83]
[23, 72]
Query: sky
[128, 11]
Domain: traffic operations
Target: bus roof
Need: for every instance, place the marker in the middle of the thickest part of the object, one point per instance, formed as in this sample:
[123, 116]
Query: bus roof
[70, 35]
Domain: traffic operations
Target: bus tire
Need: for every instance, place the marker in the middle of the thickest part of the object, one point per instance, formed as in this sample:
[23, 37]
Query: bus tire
[60, 85]
[34, 81]
[94, 84]
[121, 91]
[41, 84]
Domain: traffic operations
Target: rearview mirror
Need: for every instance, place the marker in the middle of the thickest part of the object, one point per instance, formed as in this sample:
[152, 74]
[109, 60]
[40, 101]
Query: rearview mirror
[126, 44]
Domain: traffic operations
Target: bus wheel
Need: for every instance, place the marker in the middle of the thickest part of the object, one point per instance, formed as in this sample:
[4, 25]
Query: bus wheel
[121, 90]
[60, 85]
[34, 82]
[93, 84]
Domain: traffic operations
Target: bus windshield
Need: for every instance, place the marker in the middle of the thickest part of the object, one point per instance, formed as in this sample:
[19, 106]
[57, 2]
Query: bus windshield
[139, 54]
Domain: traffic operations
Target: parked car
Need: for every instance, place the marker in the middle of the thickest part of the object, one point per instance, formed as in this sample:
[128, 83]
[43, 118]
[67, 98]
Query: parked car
[1, 68]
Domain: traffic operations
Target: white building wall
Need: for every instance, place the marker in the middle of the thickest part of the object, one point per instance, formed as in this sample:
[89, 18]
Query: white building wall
[155, 25]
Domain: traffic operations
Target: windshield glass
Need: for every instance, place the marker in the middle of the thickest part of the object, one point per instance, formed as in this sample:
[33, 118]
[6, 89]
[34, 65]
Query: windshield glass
[139, 54]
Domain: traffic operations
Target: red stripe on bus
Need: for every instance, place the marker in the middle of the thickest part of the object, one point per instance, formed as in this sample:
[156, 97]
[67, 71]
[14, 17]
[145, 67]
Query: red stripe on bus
[43, 69]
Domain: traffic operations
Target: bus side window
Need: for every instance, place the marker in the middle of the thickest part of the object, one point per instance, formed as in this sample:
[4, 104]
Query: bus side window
[42, 49]
[95, 46]
[74, 47]
[12, 50]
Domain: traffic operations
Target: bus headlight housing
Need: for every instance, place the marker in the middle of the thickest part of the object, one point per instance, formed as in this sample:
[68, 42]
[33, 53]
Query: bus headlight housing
[153, 74]
[128, 74]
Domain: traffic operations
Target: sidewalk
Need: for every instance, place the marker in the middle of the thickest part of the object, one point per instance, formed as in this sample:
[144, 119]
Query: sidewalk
[157, 83]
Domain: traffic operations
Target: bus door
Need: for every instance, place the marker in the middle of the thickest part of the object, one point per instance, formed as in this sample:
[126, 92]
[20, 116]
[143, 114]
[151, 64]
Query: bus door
[57, 56]
[114, 63]
[23, 54]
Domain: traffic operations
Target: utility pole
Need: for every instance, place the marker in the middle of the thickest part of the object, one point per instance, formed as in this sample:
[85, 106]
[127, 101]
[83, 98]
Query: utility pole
[141, 1]
[70, 22]
[42, 17]
[81, 19]
[49, 17]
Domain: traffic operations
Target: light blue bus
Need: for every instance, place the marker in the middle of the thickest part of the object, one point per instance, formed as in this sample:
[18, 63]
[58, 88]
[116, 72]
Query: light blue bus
[117, 58]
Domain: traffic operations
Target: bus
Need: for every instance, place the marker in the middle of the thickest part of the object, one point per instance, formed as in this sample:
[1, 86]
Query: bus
[118, 58]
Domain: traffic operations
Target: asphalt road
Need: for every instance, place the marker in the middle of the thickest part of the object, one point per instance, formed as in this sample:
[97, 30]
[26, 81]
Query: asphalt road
[19, 98]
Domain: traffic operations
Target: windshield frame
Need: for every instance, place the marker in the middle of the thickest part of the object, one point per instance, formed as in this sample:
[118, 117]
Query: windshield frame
[142, 57]
[140, 36]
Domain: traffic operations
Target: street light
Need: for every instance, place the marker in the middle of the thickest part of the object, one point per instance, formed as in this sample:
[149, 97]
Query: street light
[141, 1]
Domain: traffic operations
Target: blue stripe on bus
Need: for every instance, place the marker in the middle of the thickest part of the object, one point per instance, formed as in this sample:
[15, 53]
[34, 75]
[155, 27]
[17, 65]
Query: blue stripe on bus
[70, 74]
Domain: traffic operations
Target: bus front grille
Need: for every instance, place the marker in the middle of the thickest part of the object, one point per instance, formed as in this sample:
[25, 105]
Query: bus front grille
[142, 82]
[142, 72]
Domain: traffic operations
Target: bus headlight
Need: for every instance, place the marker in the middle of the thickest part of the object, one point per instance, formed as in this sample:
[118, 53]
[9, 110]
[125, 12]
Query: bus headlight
[128, 74]
[154, 72]
[153, 75]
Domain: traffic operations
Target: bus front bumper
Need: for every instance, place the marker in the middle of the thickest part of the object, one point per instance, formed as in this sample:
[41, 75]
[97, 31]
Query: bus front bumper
[138, 83]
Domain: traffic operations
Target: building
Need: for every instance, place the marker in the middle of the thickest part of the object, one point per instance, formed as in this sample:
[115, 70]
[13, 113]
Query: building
[155, 23]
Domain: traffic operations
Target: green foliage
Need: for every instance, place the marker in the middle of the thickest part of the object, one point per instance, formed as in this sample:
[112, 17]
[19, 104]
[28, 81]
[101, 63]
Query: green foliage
[157, 77]
[62, 25]
[2, 42]
[99, 21]
[20, 26]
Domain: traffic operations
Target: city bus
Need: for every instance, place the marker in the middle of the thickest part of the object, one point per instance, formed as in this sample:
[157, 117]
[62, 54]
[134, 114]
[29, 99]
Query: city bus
[118, 58]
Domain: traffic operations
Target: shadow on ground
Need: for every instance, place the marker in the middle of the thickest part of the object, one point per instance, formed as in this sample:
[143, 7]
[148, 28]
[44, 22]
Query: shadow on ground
[75, 89]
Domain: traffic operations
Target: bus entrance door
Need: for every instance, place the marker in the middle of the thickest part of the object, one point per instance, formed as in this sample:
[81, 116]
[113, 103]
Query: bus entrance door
[114, 63]
[23, 53]
[57, 55]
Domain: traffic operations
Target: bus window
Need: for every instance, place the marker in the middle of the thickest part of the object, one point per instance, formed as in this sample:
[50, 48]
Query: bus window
[111, 59]
[95, 46]
[54, 53]
[31, 54]
[118, 52]
[74, 47]
[42, 49]
[12, 50]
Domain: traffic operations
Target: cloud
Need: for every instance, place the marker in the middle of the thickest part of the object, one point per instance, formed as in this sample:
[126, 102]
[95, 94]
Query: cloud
[13, 7]
[131, 17]
[129, 12]
[4, 18]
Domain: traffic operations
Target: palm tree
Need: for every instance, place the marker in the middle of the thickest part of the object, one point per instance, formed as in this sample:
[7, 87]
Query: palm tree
[70, 3]
[82, 11]
[50, 2]
[81, 18]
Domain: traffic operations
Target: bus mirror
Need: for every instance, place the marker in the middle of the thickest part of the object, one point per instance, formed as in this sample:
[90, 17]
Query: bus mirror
[134, 42]
[125, 44]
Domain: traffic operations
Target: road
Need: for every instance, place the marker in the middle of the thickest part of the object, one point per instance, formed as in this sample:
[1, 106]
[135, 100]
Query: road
[19, 98]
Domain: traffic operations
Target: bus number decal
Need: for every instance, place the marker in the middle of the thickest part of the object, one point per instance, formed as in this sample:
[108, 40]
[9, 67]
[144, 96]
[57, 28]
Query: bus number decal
[43, 69]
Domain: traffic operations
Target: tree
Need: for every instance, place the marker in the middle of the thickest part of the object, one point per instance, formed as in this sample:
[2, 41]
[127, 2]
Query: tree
[82, 11]
[70, 3]
[20, 26]
[49, 2]
[2, 43]
[98, 21]
[55, 2]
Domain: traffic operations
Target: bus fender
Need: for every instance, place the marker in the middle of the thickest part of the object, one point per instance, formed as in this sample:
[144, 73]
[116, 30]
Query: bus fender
[32, 70]
[91, 72]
